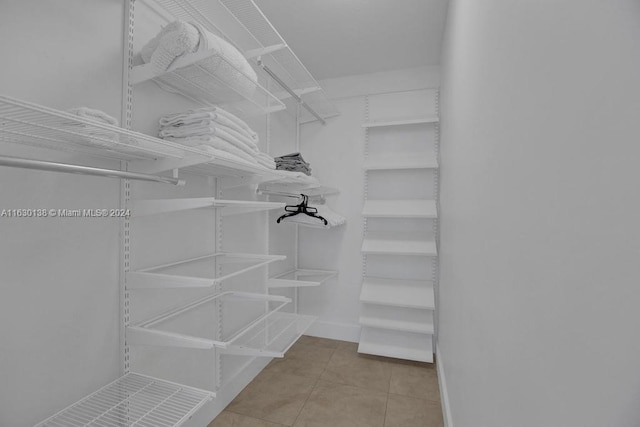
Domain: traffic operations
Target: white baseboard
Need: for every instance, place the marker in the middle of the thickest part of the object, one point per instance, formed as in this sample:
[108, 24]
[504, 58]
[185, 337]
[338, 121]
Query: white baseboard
[335, 331]
[444, 395]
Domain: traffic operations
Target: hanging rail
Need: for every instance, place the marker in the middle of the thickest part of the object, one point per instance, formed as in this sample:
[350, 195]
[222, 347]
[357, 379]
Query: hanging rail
[16, 162]
[291, 92]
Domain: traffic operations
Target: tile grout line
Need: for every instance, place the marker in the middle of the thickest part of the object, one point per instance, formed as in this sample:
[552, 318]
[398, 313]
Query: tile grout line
[313, 388]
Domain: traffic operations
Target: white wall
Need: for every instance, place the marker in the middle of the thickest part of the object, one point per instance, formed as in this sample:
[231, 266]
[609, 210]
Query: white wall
[59, 304]
[336, 154]
[539, 287]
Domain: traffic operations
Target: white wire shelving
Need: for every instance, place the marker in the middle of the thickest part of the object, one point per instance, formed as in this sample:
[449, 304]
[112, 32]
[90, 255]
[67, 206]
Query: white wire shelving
[174, 327]
[399, 243]
[26, 123]
[273, 336]
[133, 400]
[400, 209]
[226, 207]
[193, 76]
[201, 272]
[243, 24]
[301, 278]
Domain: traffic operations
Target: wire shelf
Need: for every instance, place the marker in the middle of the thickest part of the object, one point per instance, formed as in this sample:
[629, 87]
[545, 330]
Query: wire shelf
[300, 278]
[133, 400]
[243, 24]
[193, 76]
[198, 272]
[227, 207]
[193, 325]
[31, 124]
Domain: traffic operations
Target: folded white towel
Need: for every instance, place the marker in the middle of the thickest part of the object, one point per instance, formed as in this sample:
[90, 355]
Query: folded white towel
[266, 163]
[215, 142]
[207, 127]
[174, 40]
[210, 113]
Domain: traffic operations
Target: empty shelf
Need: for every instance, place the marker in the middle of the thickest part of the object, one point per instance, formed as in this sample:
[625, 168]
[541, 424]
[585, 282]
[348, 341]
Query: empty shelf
[26, 123]
[398, 344]
[399, 163]
[300, 278]
[400, 209]
[397, 325]
[273, 337]
[174, 327]
[398, 293]
[400, 243]
[133, 400]
[203, 271]
[401, 122]
[227, 207]
[191, 75]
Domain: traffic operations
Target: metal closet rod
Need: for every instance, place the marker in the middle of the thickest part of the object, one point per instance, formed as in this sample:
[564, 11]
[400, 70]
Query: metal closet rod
[291, 92]
[16, 162]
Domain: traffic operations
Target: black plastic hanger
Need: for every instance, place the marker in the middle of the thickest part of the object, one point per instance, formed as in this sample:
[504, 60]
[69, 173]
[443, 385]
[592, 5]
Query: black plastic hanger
[302, 208]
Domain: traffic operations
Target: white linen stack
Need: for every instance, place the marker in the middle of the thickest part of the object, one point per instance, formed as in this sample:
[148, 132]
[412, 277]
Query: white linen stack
[217, 129]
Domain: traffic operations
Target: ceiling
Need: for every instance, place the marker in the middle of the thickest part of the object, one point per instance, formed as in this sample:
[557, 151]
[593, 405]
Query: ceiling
[336, 38]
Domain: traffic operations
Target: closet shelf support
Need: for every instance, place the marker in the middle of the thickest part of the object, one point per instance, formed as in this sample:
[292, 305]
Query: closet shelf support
[291, 92]
[16, 162]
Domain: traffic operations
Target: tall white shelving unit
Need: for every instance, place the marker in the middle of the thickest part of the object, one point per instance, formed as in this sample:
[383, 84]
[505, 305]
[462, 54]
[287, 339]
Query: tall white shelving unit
[400, 229]
[206, 325]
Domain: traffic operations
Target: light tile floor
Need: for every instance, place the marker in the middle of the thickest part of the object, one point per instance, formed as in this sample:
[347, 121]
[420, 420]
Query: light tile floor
[326, 383]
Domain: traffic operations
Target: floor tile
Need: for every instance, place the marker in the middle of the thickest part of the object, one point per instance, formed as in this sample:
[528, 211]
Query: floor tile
[230, 419]
[317, 341]
[415, 381]
[358, 370]
[404, 411]
[274, 397]
[310, 351]
[348, 346]
[304, 367]
[336, 405]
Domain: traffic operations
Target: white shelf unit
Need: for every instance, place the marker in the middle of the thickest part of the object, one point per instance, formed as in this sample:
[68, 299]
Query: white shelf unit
[398, 293]
[400, 209]
[201, 272]
[401, 122]
[26, 123]
[170, 329]
[191, 76]
[226, 207]
[300, 278]
[397, 314]
[417, 321]
[399, 243]
[271, 337]
[396, 344]
[133, 399]
[243, 24]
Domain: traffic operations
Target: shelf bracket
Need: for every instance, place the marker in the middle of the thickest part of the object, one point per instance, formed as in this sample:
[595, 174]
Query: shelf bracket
[254, 53]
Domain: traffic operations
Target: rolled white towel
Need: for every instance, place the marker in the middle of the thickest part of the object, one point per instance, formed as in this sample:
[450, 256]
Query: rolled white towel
[214, 142]
[91, 135]
[174, 40]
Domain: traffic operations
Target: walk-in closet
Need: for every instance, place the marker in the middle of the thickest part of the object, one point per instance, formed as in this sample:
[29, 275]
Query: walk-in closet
[319, 213]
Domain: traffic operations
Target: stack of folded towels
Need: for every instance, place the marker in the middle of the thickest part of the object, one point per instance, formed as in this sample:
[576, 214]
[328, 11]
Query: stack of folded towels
[215, 130]
[293, 163]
